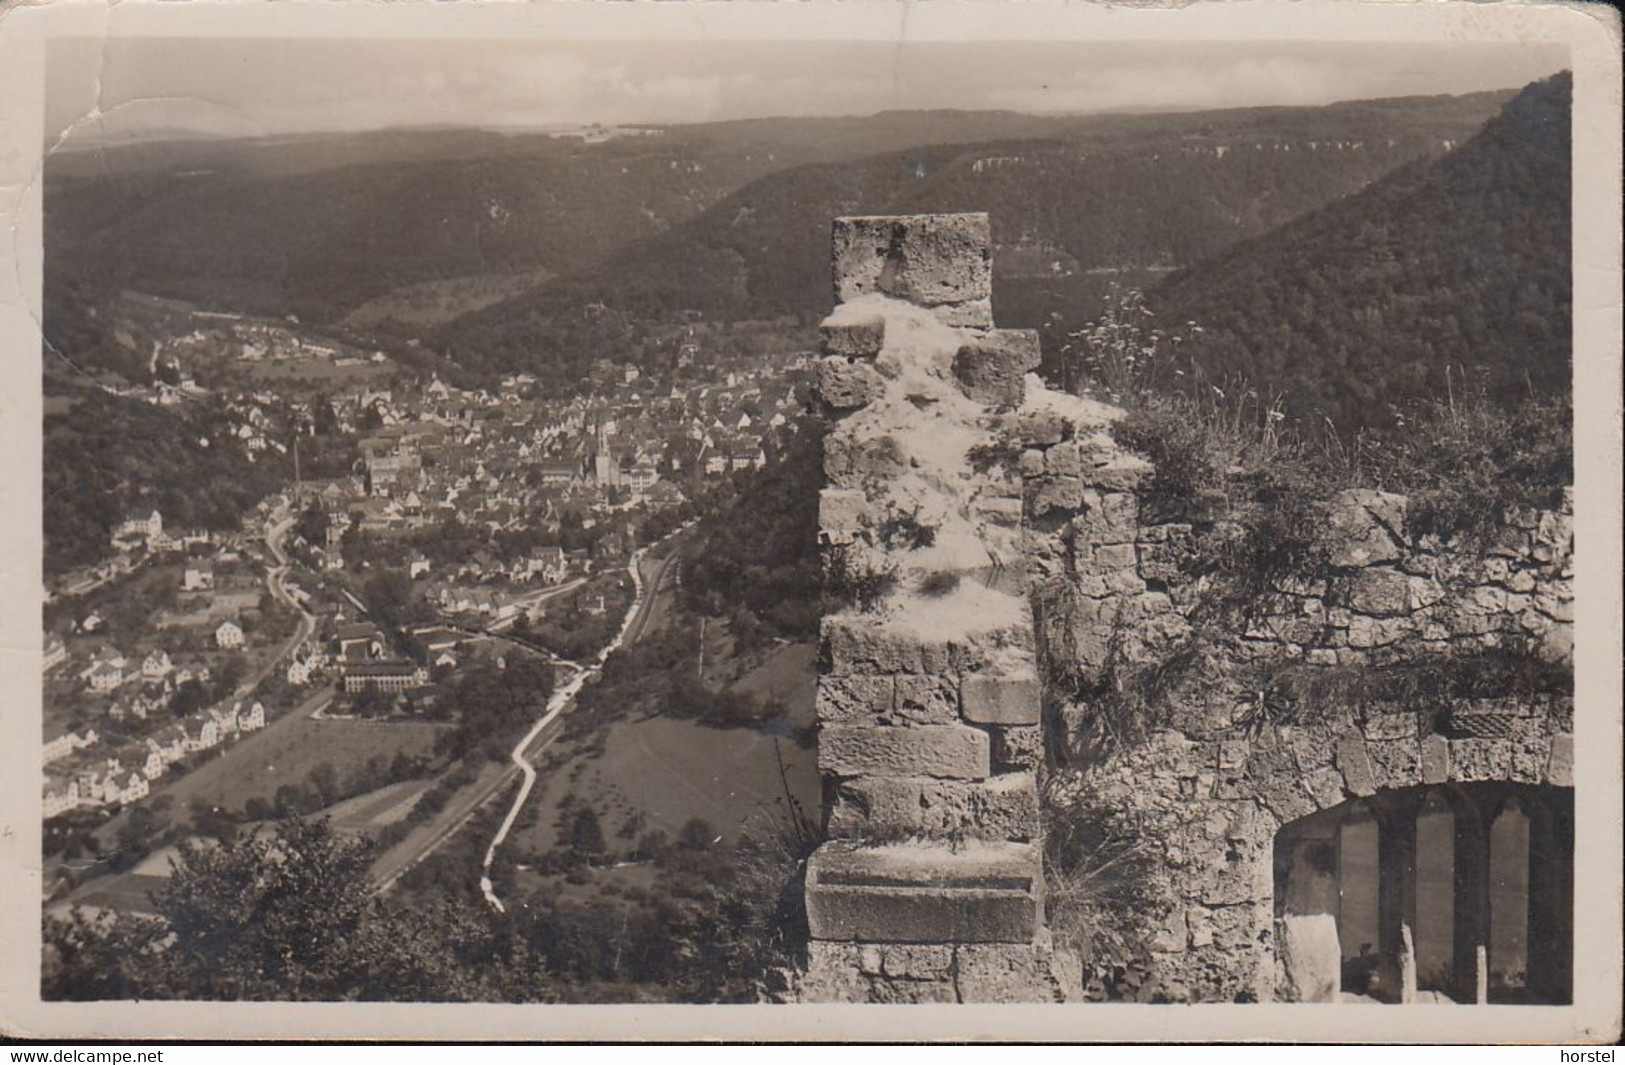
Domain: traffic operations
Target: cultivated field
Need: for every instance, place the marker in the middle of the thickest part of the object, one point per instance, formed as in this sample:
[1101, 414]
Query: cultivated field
[324, 370]
[432, 303]
[658, 773]
[257, 766]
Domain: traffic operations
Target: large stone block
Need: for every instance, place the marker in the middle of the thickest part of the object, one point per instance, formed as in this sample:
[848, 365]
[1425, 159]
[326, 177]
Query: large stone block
[1043, 427]
[853, 336]
[1475, 758]
[1018, 746]
[859, 645]
[854, 699]
[915, 961]
[992, 368]
[858, 461]
[1435, 759]
[1001, 511]
[924, 893]
[1325, 786]
[1002, 973]
[1001, 699]
[1311, 958]
[1366, 527]
[929, 260]
[1355, 765]
[913, 992]
[835, 973]
[1004, 807]
[843, 514]
[1394, 763]
[1380, 591]
[1560, 766]
[927, 699]
[953, 751]
[1046, 493]
[845, 385]
[1124, 473]
[1113, 518]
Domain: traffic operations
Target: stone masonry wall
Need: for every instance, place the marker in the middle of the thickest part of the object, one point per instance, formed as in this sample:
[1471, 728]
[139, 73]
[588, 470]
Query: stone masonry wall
[992, 537]
[931, 886]
[1215, 785]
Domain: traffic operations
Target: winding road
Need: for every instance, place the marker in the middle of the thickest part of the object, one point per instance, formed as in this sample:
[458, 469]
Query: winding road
[467, 804]
[275, 580]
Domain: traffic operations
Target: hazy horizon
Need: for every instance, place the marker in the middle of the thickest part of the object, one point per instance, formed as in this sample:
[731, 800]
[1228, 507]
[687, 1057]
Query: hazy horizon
[145, 89]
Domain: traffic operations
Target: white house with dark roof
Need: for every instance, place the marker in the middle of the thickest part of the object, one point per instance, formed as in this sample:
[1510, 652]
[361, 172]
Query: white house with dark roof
[229, 635]
[156, 666]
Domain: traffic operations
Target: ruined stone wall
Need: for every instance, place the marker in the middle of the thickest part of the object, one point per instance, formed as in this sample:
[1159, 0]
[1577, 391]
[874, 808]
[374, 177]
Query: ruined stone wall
[1217, 779]
[993, 540]
[931, 886]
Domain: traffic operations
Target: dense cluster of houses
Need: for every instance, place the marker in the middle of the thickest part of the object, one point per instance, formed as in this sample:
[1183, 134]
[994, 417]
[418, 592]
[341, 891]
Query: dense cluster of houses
[510, 458]
[253, 339]
[148, 532]
[82, 771]
[129, 693]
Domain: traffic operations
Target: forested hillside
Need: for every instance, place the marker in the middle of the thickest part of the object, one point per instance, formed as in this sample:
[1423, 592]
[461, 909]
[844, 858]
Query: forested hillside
[1457, 265]
[317, 244]
[318, 224]
[729, 219]
[1118, 198]
[108, 458]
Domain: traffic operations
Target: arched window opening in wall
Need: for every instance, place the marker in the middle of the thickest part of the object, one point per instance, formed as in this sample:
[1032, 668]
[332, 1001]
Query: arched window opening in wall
[1448, 893]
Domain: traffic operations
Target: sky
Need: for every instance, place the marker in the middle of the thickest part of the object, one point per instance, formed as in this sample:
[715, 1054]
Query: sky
[133, 87]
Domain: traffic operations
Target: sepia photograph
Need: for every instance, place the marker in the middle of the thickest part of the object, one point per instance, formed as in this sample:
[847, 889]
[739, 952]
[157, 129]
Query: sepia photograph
[808, 513]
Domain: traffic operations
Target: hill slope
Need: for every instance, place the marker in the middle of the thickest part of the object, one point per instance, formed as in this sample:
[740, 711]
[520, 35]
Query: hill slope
[1110, 198]
[1463, 262]
[318, 224]
[108, 458]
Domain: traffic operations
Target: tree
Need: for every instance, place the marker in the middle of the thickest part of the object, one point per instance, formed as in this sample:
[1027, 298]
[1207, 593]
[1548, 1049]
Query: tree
[326, 422]
[586, 834]
[312, 525]
[389, 597]
[188, 699]
[105, 956]
[372, 702]
[696, 834]
[267, 916]
[324, 781]
[286, 915]
[229, 673]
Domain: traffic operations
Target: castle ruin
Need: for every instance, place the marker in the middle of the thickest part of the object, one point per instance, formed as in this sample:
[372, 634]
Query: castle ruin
[990, 535]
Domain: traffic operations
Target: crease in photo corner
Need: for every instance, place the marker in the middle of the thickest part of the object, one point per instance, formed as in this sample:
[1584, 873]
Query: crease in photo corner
[162, 1006]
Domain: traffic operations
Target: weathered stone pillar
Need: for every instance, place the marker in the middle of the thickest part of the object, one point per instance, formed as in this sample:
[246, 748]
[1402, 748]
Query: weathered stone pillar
[930, 888]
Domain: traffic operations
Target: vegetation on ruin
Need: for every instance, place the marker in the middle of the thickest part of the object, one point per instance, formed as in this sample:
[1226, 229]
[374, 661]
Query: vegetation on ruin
[1254, 484]
[1101, 891]
[1256, 497]
[1428, 686]
[853, 580]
